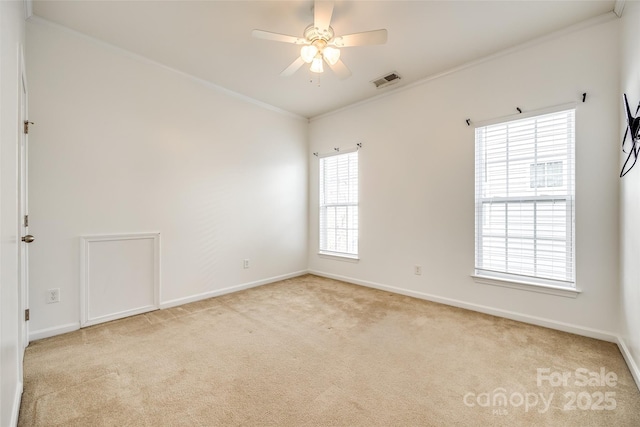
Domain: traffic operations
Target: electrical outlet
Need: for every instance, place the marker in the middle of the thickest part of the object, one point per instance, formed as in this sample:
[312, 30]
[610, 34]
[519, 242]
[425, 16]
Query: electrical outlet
[417, 270]
[53, 295]
[245, 263]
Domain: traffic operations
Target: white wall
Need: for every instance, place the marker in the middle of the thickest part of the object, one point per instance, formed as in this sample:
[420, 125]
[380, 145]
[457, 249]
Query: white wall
[417, 179]
[124, 145]
[11, 346]
[630, 195]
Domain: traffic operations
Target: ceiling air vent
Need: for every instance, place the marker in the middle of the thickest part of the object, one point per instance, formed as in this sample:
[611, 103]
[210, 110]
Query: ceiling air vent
[387, 80]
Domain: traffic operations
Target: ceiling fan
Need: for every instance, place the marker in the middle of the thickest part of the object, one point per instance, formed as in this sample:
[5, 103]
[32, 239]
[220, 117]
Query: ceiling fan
[320, 43]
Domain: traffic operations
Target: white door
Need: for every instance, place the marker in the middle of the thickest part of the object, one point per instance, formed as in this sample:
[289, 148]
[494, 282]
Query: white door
[23, 206]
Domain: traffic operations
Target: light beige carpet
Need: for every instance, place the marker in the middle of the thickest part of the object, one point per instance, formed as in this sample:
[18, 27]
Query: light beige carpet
[311, 351]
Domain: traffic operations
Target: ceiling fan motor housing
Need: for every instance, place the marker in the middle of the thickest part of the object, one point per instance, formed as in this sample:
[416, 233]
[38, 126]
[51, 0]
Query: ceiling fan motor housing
[312, 34]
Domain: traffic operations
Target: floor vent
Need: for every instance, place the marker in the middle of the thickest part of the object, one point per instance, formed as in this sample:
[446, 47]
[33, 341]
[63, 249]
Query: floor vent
[387, 80]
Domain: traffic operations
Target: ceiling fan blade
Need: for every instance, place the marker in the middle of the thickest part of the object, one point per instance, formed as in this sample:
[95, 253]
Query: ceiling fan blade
[266, 35]
[361, 39]
[322, 11]
[341, 70]
[293, 67]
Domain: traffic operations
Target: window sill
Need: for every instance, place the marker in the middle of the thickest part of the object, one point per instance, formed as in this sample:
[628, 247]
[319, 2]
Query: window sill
[528, 286]
[339, 257]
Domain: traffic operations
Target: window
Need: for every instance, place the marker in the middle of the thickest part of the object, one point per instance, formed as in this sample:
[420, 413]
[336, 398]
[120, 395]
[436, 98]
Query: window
[525, 200]
[339, 205]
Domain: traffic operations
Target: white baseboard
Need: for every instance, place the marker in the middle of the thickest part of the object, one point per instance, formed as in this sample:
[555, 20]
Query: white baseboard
[70, 327]
[119, 315]
[631, 363]
[539, 321]
[53, 331]
[17, 399]
[218, 292]
[525, 318]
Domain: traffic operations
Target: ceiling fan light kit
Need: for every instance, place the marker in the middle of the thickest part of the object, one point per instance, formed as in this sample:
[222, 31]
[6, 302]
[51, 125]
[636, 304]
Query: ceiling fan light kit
[318, 50]
[316, 65]
[320, 44]
[331, 55]
[308, 53]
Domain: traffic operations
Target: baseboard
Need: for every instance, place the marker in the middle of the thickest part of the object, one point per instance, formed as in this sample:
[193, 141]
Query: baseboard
[70, 327]
[631, 363]
[525, 318]
[119, 315]
[231, 289]
[56, 330]
[17, 399]
[539, 321]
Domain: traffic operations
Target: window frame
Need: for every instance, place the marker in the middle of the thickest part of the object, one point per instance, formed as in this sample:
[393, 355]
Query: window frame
[509, 278]
[326, 251]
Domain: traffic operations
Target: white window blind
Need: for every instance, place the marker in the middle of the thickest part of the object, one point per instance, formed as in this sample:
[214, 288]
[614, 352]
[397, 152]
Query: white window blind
[339, 204]
[525, 199]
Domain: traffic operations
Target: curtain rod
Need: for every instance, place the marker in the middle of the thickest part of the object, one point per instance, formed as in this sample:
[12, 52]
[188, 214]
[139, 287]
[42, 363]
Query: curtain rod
[584, 99]
[338, 151]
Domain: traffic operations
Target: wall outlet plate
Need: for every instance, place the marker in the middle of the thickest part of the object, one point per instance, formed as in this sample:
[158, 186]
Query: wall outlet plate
[53, 295]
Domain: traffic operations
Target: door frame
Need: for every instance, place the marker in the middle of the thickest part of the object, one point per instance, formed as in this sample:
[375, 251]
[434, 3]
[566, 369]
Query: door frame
[23, 203]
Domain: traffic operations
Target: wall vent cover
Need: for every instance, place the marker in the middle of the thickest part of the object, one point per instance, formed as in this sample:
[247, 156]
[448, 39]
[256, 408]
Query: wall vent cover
[386, 80]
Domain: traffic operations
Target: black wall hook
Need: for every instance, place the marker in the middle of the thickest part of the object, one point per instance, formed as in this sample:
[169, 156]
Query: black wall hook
[519, 110]
[468, 122]
[584, 96]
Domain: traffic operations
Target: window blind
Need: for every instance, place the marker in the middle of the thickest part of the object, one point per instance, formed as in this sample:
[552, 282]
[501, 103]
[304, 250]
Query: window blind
[339, 204]
[525, 199]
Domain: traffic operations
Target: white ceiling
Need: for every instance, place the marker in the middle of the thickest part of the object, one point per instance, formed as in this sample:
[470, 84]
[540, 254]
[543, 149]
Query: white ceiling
[211, 40]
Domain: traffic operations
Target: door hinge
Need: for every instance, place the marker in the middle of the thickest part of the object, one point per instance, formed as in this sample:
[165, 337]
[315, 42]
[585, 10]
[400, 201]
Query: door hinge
[26, 126]
[26, 220]
[26, 314]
